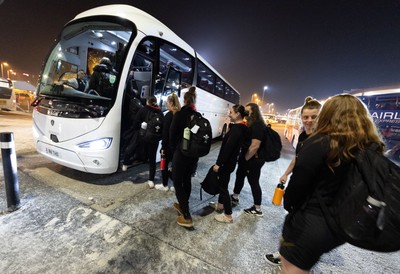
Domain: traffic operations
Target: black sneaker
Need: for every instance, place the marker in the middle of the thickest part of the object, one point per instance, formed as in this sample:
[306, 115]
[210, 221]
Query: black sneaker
[235, 201]
[253, 211]
[273, 259]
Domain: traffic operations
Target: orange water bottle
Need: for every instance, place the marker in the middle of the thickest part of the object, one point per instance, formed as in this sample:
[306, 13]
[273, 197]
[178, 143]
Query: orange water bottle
[278, 195]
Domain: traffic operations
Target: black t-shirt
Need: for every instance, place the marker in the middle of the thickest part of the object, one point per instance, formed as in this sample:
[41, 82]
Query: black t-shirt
[256, 131]
[302, 137]
[310, 173]
[231, 145]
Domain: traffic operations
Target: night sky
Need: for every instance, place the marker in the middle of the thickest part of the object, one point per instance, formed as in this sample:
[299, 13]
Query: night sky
[296, 48]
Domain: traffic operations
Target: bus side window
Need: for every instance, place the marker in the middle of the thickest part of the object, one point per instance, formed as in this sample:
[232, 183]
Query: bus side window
[172, 85]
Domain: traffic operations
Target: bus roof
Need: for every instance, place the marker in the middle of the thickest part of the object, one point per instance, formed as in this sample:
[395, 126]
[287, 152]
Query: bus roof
[146, 23]
[375, 90]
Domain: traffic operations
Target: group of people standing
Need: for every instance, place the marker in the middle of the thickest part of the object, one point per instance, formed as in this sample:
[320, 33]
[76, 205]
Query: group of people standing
[331, 137]
[173, 124]
[243, 145]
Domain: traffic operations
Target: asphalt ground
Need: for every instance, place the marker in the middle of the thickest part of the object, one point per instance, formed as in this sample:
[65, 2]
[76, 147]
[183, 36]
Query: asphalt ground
[73, 222]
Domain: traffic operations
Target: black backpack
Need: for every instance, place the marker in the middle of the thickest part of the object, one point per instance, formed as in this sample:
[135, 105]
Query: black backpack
[210, 183]
[366, 210]
[199, 143]
[153, 132]
[272, 144]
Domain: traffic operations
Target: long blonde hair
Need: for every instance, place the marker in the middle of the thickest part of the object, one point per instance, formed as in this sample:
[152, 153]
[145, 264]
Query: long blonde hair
[174, 102]
[350, 127]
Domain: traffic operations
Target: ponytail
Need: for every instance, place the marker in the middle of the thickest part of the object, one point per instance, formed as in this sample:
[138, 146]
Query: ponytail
[190, 96]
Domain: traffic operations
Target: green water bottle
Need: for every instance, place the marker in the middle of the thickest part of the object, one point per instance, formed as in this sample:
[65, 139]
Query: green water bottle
[186, 139]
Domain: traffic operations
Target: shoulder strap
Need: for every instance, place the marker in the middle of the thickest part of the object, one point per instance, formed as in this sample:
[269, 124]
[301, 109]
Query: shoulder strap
[191, 117]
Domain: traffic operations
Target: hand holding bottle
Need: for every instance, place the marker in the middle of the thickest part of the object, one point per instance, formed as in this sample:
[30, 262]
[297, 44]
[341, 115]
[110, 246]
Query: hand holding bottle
[162, 162]
[278, 195]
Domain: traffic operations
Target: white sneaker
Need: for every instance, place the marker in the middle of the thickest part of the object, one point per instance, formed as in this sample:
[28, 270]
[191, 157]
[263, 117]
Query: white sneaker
[172, 189]
[161, 187]
[150, 183]
[124, 167]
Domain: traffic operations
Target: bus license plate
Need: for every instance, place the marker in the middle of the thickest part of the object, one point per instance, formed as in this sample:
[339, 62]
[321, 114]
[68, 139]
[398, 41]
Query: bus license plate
[52, 152]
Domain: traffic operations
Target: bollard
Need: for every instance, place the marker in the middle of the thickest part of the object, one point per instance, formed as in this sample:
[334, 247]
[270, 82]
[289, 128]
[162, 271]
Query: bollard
[10, 170]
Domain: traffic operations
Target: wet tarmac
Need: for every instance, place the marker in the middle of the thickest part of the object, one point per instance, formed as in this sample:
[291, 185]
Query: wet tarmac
[73, 222]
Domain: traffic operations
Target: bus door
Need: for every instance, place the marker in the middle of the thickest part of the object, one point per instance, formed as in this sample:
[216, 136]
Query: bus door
[137, 88]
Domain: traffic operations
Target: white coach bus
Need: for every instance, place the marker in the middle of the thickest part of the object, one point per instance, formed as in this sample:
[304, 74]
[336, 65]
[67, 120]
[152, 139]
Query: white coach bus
[7, 95]
[83, 129]
[293, 126]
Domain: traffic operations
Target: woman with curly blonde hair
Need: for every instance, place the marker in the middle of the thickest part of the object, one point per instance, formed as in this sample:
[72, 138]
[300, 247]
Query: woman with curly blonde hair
[344, 127]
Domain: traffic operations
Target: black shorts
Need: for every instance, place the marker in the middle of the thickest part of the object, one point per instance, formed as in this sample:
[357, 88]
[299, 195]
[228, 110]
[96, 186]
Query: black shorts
[305, 238]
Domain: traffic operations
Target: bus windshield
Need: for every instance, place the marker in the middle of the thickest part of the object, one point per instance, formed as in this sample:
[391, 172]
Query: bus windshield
[82, 71]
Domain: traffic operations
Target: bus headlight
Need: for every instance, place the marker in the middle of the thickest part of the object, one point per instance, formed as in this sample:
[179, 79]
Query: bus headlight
[103, 143]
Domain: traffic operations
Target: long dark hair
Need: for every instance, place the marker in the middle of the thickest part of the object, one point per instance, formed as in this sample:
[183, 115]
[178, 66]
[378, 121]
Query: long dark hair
[255, 115]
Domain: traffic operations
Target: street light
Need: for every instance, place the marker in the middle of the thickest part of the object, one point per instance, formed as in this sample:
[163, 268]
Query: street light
[2, 68]
[254, 97]
[264, 89]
